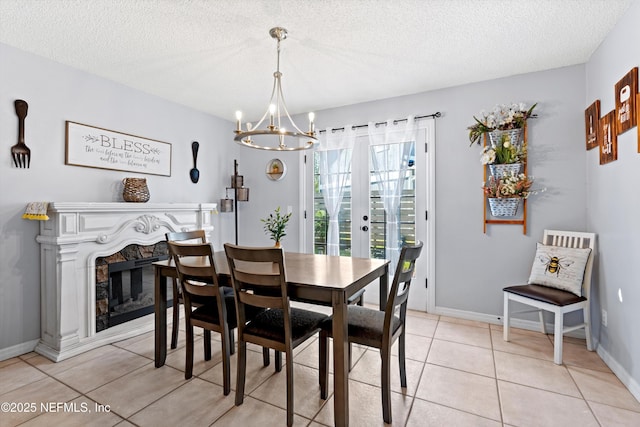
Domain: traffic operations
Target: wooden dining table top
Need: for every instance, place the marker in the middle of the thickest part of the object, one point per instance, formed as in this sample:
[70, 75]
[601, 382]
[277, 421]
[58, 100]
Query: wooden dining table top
[323, 271]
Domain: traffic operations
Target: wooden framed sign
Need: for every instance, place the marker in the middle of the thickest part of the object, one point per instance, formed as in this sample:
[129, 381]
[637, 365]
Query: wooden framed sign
[638, 119]
[592, 124]
[95, 147]
[608, 138]
[626, 90]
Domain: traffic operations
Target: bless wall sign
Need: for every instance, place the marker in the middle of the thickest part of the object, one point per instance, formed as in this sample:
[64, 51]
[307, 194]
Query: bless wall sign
[95, 147]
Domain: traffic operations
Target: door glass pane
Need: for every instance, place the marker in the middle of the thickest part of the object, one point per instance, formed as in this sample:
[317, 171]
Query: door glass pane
[321, 217]
[406, 211]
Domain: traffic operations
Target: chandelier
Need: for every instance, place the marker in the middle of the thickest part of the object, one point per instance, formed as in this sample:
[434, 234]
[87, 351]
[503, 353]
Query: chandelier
[276, 110]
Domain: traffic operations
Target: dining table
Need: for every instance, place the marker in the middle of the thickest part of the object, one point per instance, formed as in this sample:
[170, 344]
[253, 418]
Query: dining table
[311, 278]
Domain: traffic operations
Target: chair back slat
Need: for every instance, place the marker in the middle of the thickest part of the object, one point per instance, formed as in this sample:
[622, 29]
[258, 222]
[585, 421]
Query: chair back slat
[261, 301]
[187, 236]
[199, 289]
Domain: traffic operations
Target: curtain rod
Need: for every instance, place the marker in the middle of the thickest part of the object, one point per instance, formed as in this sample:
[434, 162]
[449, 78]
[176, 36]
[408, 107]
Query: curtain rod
[434, 115]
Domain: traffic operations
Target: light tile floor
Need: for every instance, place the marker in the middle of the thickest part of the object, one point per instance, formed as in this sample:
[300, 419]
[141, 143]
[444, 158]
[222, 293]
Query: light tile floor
[460, 373]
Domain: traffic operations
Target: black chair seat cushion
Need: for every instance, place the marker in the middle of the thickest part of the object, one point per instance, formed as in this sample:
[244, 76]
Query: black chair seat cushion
[366, 323]
[545, 294]
[270, 324]
[208, 312]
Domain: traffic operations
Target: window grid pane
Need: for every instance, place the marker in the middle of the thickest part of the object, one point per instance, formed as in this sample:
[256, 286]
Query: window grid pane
[406, 217]
[321, 217]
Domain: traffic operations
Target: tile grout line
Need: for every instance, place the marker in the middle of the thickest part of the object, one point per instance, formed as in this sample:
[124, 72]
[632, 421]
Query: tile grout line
[424, 366]
[495, 372]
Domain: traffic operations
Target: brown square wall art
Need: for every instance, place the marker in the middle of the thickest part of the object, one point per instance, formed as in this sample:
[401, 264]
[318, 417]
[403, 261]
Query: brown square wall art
[608, 138]
[626, 90]
[592, 124]
[638, 119]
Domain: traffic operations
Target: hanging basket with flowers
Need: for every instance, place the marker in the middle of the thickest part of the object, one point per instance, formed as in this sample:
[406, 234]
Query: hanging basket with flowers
[502, 118]
[505, 192]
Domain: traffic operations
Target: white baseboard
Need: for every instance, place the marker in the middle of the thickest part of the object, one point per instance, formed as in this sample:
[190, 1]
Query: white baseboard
[620, 372]
[468, 315]
[531, 325]
[18, 349]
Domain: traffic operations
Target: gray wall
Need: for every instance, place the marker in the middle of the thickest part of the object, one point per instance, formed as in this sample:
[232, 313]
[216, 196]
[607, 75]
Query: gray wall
[57, 93]
[613, 206]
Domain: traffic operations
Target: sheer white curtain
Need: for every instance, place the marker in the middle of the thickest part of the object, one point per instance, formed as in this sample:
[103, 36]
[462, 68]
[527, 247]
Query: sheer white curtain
[335, 152]
[391, 147]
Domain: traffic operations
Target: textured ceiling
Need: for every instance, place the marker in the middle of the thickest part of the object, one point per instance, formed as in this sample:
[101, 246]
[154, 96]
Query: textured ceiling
[218, 57]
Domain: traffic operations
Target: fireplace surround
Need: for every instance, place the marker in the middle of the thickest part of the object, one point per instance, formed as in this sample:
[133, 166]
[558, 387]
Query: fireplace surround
[70, 242]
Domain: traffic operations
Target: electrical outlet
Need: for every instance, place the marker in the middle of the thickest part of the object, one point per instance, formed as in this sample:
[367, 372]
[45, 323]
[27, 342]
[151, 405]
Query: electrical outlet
[604, 317]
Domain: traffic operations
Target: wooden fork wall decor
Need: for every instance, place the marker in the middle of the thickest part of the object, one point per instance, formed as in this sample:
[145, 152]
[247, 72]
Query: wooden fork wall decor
[20, 152]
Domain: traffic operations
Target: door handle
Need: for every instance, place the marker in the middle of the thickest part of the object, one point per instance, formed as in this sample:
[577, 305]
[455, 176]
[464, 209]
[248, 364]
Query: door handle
[364, 228]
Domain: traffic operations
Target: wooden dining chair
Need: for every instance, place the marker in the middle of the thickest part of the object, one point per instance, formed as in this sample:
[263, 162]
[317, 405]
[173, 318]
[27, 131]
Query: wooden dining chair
[379, 329]
[198, 236]
[216, 309]
[560, 282]
[259, 280]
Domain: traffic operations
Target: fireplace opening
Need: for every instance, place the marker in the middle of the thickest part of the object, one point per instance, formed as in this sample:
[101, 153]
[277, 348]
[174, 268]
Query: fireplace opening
[125, 284]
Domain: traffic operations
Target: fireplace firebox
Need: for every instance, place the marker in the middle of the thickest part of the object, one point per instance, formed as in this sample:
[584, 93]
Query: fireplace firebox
[125, 284]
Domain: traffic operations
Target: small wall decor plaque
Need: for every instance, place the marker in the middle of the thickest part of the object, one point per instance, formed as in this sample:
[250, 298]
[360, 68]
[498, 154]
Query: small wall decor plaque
[276, 169]
[592, 124]
[638, 119]
[626, 90]
[95, 147]
[608, 138]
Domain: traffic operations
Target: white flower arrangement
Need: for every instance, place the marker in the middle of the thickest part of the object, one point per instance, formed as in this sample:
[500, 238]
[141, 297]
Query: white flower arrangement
[510, 185]
[502, 153]
[502, 117]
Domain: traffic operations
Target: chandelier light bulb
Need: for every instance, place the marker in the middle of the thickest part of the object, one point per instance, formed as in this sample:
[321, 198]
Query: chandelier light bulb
[272, 110]
[238, 121]
[312, 117]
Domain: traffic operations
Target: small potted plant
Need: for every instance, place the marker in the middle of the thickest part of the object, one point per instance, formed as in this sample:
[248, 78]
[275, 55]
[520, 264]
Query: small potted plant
[505, 192]
[275, 225]
[506, 118]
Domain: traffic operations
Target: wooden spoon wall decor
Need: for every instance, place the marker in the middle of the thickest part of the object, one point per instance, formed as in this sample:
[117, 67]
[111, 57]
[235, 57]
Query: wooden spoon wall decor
[194, 173]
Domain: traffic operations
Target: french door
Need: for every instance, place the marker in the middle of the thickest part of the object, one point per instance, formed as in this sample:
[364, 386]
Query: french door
[363, 230]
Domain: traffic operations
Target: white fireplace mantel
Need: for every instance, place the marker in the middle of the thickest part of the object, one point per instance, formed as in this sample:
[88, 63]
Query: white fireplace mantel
[71, 240]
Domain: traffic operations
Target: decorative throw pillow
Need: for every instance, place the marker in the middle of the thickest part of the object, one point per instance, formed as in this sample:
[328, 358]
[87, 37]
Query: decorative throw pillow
[559, 267]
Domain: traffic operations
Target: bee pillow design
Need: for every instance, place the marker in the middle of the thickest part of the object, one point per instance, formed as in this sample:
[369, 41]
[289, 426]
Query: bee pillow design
[559, 267]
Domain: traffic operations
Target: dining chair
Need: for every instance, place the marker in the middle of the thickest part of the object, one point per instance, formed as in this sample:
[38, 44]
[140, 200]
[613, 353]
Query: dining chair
[259, 280]
[560, 282]
[181, 236]
[379, 329]
[216, 309]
